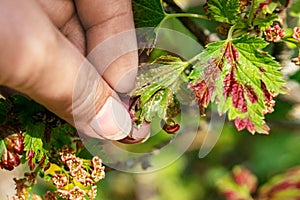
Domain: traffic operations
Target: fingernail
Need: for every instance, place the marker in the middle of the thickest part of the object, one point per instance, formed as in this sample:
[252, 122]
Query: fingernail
[112, 122]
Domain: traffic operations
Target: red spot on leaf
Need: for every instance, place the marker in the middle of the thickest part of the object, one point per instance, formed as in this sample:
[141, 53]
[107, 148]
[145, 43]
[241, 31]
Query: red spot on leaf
[206, 85]
[241, 124]
[269, 102]
[251, 94]
[243, 177]
[236, 91]
[281, 187]
[232, 54]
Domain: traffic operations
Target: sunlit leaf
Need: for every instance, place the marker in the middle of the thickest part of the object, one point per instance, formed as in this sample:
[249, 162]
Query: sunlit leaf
[158, 83]
[147, 13]
[224, 11]
[241, 79]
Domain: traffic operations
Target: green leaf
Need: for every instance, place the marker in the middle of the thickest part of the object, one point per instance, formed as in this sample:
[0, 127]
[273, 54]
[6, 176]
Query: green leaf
[2, 147]
[161, 104]
[240, 183]
[147, 13]
[253, 60]
[163, 73]
[224, 10]
[270, 7]
[158, 84]
[26, 108]
[60, 136]
[212, 51]
[282, 186]
[34, 139]
[264, 23]
[237, 76]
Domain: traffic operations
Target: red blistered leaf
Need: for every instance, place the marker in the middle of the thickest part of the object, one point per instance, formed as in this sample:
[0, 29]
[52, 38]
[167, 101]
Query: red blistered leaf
[243, 177]
[241, 124]
[206, 85]
[232, 54]
[230, 195]
[236, 91]
[251, 94]
[269, 102]
[15, 143]
[203, 92]
[9, 160]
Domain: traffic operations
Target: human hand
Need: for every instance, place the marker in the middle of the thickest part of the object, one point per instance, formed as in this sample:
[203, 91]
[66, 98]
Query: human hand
[43, 46]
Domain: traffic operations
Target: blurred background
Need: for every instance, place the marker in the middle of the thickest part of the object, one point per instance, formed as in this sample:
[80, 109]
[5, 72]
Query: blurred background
[194, 178]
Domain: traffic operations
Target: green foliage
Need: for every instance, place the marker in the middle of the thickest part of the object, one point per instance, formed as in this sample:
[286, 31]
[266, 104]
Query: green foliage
[258, 64]
[224, 11]
[235, 73]
[2, 147]
[156, 88]
[238, 62]
[26, 109]
[60, 136]
[265, 22]
[34, 141]
[238, 185]
[241, 184]
[147, 13]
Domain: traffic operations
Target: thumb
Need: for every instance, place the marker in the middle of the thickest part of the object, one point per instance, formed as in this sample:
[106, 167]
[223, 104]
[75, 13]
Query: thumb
[72, 88]
[40, 62]
[94, 100]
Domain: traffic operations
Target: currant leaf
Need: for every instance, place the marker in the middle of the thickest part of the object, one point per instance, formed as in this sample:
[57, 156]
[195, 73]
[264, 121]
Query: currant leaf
[147, 13]
[156, 90]
[240, 184]
[284, 186]
[164, 72]
[34, 145]
[266, 22]
[241, 79]
[2, 147]
[224, 11]
[60, 136]
[26, 109]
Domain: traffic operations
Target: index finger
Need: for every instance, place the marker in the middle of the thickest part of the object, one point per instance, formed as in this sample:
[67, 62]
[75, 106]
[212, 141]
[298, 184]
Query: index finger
[111, 40]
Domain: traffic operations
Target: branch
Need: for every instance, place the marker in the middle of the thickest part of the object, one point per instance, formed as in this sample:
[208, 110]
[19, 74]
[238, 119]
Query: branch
[189, 23]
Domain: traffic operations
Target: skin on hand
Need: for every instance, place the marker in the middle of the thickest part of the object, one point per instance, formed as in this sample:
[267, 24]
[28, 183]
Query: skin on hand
[43, 47]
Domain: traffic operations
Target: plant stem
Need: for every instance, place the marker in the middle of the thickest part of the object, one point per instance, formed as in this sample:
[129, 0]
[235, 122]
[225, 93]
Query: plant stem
[230, 32]
[190, 24]
[251, 14]
[191, 15]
